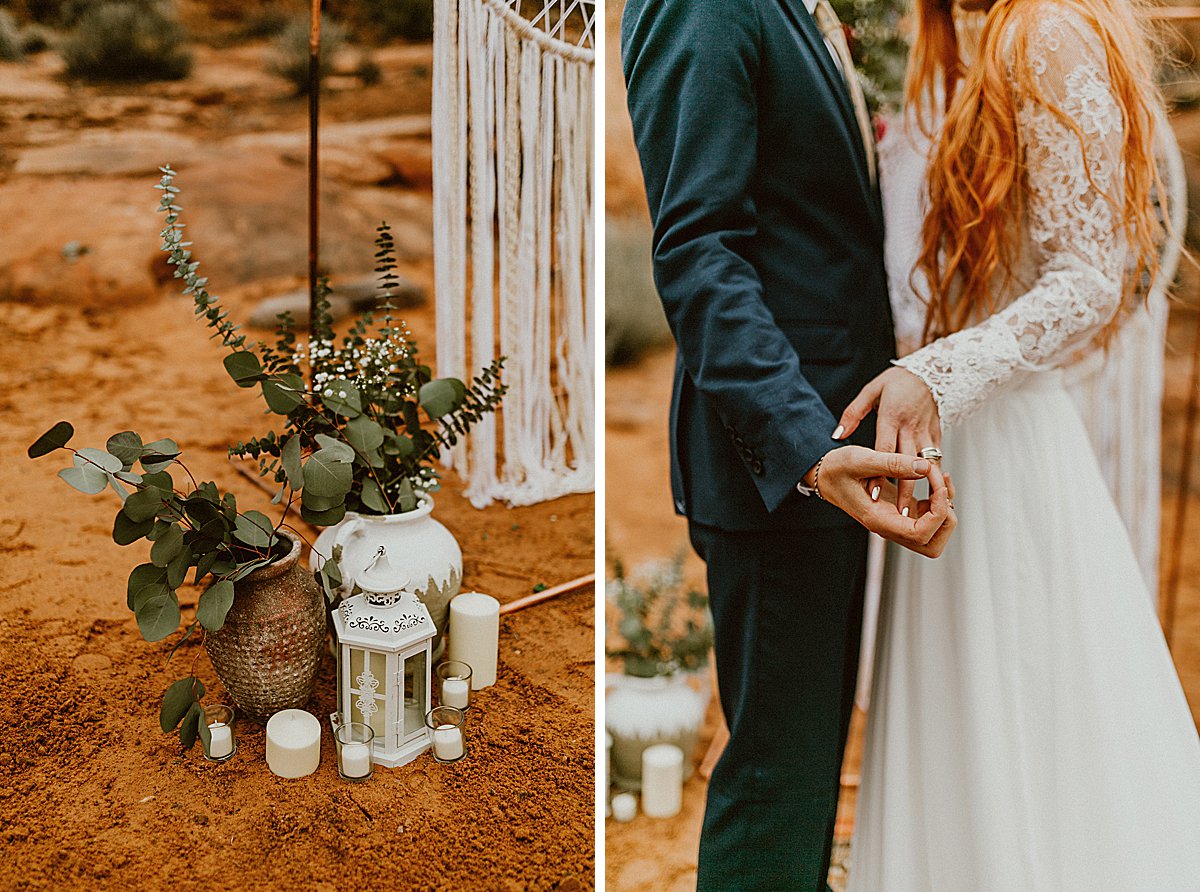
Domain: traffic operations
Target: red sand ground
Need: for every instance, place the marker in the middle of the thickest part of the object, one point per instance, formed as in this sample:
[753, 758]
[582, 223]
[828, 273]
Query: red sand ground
[93, 794]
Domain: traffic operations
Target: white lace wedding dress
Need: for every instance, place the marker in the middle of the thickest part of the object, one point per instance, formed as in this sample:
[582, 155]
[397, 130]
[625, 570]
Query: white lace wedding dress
[1027, 729]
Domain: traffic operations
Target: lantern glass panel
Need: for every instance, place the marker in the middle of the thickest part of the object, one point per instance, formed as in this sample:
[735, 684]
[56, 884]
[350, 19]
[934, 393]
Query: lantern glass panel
[415, 694]
[368, 696]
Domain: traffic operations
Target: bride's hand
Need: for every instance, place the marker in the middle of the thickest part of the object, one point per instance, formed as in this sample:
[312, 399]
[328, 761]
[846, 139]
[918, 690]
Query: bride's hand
[908, 420]
[845, 479]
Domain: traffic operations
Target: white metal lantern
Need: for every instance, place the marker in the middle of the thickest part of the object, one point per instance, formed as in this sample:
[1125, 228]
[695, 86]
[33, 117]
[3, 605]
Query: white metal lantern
[385, 637]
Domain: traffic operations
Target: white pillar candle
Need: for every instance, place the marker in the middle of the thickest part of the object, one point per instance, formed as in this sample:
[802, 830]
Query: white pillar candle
[475, 635]
[220, 740]
[662, 780]
[448, 743]
[624, 807]
[356, 759]
[455, 693]
[293, 743]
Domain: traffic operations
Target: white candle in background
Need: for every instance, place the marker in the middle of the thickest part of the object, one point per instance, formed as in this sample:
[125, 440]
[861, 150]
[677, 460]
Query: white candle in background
[356, 759]
[293, 743]
[448, 743]
[475, 635]
[221, 740]
[624, 807]
[662, 780]
[455, 693]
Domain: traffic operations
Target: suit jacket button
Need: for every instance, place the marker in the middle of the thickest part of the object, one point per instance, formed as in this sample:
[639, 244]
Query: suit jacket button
[679, 505]
[757, 467]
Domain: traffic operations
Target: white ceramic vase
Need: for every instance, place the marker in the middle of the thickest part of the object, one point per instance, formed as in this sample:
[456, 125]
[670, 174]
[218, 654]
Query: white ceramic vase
[641, 712]
[416, 544]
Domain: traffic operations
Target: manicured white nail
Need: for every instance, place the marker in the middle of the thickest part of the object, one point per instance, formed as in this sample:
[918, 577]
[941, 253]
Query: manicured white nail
[837, 434]
[904, 513]
[875, 494]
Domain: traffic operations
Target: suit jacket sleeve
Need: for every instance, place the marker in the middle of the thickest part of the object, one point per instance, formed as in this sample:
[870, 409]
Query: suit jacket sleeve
[691, 68]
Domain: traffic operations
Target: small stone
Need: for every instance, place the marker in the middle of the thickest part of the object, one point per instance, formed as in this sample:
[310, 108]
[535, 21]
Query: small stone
[202, 820]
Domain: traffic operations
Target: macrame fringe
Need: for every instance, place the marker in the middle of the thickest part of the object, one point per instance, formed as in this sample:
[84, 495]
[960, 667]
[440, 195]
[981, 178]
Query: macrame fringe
[513, 211]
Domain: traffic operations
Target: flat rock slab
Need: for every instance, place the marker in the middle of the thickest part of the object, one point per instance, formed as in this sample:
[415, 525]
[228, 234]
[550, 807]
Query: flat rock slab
[348, 297]
[97, 153]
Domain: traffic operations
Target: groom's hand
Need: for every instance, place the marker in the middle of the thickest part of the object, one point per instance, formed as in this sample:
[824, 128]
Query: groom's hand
[908, 420]
[847, 476]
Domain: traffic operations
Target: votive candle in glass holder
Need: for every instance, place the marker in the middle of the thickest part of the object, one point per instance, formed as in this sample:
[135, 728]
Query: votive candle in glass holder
[454, 684]
[445, 725]
[353, 741]
[222, 743]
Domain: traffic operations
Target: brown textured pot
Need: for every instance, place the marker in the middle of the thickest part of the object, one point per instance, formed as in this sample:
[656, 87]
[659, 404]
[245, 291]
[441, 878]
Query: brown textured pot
[268, 651]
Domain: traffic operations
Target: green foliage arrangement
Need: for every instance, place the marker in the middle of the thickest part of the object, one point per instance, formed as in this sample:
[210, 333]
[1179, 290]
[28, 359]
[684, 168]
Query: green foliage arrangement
[654, 636]
[406, 19]
[10, 38]
[191, 526]
[879, 47]
[127, 40]
[357, 441]
[289, 55]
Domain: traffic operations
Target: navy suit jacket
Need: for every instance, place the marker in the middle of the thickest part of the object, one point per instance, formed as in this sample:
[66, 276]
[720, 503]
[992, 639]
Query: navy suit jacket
[768, 249]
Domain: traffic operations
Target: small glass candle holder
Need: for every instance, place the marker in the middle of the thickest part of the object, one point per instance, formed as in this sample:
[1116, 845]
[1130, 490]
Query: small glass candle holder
[222, 742]
[454, 684]
[354, 758]
[445, 724]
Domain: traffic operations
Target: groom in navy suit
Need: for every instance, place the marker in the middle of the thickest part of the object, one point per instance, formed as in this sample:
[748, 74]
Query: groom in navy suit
[760, 172]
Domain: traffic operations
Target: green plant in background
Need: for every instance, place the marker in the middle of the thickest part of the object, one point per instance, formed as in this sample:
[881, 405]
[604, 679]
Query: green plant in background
[357, 440]
[386, 19]
[10, 38]
[190, 526]
[879, 47]
[661, 628]
[289, 55]
[127, 40]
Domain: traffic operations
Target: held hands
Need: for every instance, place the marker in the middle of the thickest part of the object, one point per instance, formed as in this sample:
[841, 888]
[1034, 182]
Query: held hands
[849, 475]
[908, 421]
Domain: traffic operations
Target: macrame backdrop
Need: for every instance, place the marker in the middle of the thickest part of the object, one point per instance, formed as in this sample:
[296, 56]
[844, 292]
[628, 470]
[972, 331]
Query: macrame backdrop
[513, 236]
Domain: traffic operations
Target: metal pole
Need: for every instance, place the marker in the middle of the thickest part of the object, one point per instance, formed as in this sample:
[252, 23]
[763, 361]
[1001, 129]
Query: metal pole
[314, 198]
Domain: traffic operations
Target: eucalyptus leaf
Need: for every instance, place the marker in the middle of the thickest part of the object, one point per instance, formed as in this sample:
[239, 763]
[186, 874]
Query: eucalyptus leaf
[204, 564]
[244, 368]
[441, 397]
[178, 566]
[214, 605]
[167, 546]
[129, 477]
[190, 726]
[159, 454]
[335, 447]
[342, 398]
[176, 703]
[365, 435]
[249, 567]
[141, 578]
[406, 497]
[255, 529]
[55, 438]
[118, 487]
[143, 504]
[158, 616]
[283, 393]
[161, 480]
[372, 496]
[326, 518]
[127, 531]
[327, 474]
[290, 456]
[87, 479]
[105, 460]
[127, 446]
[204, 732]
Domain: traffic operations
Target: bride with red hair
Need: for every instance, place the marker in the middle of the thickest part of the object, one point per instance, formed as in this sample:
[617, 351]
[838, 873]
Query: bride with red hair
[1027, 729]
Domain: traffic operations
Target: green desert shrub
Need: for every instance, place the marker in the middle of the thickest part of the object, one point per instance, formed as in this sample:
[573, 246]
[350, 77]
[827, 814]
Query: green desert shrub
[633, 315]
[289, 53]
[128, 40]
[409, 19]
[10, 38]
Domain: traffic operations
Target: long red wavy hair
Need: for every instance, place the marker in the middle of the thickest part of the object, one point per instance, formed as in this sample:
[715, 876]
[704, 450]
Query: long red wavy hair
[974, 187]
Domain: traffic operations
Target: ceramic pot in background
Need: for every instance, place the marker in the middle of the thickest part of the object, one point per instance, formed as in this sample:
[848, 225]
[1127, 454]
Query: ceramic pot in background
[642, 712]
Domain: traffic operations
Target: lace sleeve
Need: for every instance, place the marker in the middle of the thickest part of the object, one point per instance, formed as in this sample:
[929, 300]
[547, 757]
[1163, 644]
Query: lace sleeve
[1079, 253]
